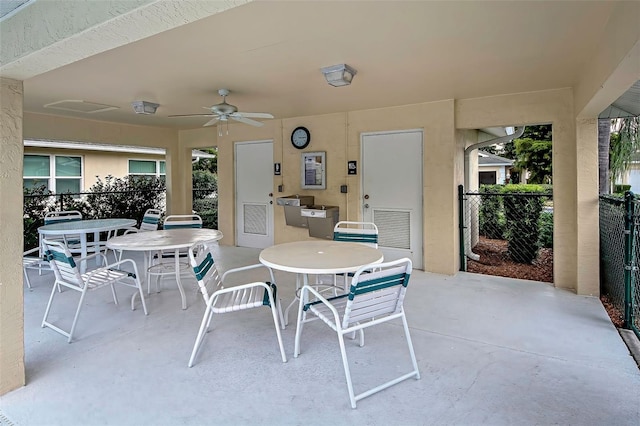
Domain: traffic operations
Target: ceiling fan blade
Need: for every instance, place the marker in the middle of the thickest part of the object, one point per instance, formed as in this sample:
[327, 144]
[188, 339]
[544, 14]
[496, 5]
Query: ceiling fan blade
[254, 114]
[192, 115]
[247, 121]
[210, 122]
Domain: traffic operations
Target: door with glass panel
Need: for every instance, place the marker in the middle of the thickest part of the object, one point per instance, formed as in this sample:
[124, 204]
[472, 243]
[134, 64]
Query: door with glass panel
[392, 192]
[254, 192]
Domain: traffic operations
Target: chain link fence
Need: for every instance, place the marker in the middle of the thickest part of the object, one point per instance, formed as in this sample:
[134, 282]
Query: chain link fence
[620, 256]
[507, 227]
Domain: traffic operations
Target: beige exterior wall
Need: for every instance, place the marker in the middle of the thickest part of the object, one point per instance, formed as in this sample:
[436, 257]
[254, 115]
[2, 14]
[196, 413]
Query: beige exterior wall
[11, 286]
[97, 163]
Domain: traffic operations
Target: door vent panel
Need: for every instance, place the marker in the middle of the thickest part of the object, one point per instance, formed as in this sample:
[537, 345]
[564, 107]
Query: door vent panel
[394, 227]
[255, 219]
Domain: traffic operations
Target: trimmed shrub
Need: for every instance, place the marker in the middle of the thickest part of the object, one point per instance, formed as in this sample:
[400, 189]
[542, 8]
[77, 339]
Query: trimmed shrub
[492, 221]
[621, 189]
[522, 214]
[545, 228]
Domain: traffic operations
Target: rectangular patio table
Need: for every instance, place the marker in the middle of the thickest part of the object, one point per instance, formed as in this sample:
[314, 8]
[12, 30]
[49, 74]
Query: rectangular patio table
[150, 242]
[82, 228]
[318, 258]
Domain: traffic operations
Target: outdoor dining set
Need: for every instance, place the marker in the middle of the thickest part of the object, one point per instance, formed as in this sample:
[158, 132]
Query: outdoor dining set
[344, 282]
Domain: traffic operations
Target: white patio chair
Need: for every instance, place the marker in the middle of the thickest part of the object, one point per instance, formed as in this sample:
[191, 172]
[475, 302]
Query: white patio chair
[63, 216]
[68, 275]
[354, 232]
[374, 298]
[150, 222]
[31, 259]
[163, 263]
[223, 300]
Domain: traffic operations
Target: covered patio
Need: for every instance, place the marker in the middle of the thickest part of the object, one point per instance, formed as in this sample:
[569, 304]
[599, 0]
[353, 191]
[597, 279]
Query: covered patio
[491, 350]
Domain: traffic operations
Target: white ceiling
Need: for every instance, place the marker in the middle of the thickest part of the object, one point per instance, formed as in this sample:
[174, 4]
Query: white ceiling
[269, 55]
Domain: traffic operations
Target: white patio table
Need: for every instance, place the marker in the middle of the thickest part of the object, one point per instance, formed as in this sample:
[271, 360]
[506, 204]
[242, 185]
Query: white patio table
[317, 258]
[166, 239]
[82, 228]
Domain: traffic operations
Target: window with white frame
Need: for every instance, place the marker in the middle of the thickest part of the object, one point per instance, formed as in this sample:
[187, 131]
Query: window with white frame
[58, 173]
[147, 168]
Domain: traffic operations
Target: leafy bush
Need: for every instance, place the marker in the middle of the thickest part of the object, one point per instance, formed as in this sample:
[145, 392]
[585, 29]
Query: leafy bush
[128, 197]
[35, 206]
[545, 227]
[205, 197]
[492, 221]
[621, 189]
[522, 214]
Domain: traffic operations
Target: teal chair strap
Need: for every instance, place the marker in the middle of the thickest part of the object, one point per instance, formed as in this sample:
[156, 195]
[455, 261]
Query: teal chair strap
[204, 266]
[50, 255]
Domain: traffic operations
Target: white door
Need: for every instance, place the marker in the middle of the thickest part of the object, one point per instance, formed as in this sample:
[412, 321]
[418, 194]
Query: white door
[392, 192]
[254, 187]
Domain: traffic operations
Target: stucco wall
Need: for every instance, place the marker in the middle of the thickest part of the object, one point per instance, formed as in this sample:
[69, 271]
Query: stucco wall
[11, 286]
[97, 164]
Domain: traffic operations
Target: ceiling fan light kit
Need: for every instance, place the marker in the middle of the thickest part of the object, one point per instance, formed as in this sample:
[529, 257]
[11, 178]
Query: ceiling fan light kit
[339, 75]
[144, 107]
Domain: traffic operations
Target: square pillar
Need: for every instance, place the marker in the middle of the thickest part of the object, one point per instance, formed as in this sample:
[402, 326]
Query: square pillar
[12, 372]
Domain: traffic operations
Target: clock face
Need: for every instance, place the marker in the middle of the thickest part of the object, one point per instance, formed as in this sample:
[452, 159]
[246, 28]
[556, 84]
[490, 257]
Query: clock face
[300, 137]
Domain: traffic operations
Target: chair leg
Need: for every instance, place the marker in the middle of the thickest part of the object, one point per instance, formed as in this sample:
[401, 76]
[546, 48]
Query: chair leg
[141, 292]
[48, 308]
[410, 344]
[302, 316]
[347, 372]
[26, 278]
[113, 292]
[206, 318]
[75, 318]
[275, 323]
[280, 315]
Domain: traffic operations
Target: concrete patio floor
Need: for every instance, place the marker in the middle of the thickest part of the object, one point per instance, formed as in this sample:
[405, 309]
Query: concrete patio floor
[491, 351]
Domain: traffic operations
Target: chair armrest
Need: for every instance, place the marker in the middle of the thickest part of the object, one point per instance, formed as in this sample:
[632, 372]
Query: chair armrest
[91, 256]
[30, 251]
[224, 290]
[307, 288]
[248, 268]
[112, 265]
[130, 231]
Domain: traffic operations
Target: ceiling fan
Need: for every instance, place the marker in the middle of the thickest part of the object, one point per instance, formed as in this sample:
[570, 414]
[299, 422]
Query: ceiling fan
[223, 112]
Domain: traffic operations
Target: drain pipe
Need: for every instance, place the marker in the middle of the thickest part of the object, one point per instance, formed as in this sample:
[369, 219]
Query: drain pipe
[467, 178]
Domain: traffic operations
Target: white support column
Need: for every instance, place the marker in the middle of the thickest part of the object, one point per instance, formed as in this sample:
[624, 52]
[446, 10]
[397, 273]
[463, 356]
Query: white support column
[179, 180]
[12, 372]
[588, 245]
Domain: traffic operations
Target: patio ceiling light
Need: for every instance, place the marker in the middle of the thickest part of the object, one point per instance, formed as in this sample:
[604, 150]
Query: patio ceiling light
[144, 107]
[338, 75]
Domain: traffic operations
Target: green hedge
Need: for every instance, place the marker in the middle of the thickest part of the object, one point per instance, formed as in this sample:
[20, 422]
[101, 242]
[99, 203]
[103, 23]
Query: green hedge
[492, 221]
[522, 215]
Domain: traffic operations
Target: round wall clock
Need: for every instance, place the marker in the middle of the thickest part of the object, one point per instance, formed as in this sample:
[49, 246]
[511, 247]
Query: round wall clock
[300, 137]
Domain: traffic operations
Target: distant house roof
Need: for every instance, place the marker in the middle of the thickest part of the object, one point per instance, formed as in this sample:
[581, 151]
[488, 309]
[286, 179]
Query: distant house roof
[487, 159]
[109, 148]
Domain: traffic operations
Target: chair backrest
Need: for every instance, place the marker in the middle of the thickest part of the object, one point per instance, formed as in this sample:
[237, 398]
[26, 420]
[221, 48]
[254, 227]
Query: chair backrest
[204, 268]
[182, 221]
[62, 216]
[150, 220]
[356, 232]
[62, 262]
[377, 290]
